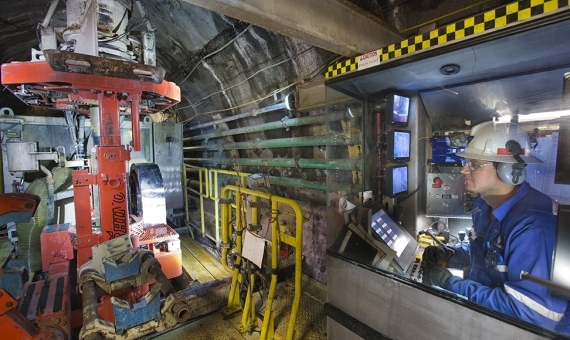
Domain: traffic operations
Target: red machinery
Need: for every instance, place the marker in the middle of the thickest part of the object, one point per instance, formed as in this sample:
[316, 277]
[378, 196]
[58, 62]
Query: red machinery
[108, 94]
[15, 207]
[40, 83]
[123, 275]
[52, 321]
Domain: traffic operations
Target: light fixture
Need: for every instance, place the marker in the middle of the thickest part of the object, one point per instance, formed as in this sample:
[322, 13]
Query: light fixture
[534, 117]
[449, 69]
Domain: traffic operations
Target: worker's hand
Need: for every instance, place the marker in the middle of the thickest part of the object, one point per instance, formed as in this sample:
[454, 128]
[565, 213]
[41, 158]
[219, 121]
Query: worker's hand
[436, 275]
[436, 254]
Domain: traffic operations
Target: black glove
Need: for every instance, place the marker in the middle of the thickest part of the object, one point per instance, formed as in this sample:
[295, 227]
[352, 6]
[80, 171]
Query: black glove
[436, 254]
[435, 274]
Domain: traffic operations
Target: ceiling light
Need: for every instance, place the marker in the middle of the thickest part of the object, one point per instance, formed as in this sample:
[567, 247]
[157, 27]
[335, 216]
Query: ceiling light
[449, 69]
[534, 117]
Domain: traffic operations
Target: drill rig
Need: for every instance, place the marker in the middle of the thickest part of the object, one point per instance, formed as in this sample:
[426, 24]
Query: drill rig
[124, 261]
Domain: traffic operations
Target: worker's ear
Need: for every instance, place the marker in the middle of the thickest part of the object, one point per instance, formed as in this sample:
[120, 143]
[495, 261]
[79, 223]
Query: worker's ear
[511, 173]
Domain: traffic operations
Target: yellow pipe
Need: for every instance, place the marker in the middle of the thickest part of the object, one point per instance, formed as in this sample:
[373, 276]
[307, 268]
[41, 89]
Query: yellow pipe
[233, 298]
[248, 316]
[225, 235]
[254, 211]
[252, 314]
[274, 268]
[298, 262]
[246, 307]
[200, 178]
[201, 204]
[253, 193]
[213, 192]
[216, 204]
[238, 224]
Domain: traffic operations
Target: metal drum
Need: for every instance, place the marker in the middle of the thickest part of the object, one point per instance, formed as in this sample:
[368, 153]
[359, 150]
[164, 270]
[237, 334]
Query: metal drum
[146, 193]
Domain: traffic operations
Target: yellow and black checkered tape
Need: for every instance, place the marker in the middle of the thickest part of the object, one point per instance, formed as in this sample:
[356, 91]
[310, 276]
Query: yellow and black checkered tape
[342, 67]
[509, 14]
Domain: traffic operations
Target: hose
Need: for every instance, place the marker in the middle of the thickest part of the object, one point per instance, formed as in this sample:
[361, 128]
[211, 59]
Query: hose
[50, 195]
[29, 233]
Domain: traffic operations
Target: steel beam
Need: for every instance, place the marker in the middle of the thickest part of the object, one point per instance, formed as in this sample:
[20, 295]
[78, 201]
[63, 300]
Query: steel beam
[333, 25]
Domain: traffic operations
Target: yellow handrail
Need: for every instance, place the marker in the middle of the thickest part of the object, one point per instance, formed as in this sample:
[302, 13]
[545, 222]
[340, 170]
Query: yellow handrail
[213, 190]
[202, 195]
[277, 236]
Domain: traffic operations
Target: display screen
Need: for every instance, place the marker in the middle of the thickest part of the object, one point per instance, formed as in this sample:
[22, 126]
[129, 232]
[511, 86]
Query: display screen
[399, 145]
[389, 232]
[396, 180]
[443, 153]
[399, 109]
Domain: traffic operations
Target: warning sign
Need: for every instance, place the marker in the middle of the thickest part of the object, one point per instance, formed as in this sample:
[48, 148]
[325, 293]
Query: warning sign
[368, 60]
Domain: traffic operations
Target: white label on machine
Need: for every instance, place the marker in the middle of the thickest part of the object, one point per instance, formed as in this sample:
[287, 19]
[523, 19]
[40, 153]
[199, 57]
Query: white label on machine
[253, 248]
[368, 60]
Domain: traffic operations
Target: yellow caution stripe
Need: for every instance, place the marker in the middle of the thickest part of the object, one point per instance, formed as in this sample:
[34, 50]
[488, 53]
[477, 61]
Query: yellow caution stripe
[503, 16]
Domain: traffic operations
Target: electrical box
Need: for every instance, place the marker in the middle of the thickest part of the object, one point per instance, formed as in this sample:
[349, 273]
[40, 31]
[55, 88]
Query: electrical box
[447, 197]
[23, 156]
[19, 158]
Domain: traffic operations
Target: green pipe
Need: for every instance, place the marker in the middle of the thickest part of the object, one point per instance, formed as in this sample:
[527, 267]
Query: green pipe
[324, 164]
[321, 186]
[284, 123]
[300, 183]
[280, 143]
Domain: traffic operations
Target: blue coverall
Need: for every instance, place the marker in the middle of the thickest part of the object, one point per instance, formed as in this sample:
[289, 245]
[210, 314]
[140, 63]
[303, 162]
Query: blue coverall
[521, 237]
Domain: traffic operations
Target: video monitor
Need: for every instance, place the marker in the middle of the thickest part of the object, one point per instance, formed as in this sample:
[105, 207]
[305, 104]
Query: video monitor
[443, 153]
[398, 109]
[398, 145]
[396, 180]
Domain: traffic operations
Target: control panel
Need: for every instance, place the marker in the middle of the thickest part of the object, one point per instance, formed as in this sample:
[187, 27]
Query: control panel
[447, 197]
[415, 272]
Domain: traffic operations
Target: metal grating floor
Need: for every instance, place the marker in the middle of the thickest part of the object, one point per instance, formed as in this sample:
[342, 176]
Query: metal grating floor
[311, 323]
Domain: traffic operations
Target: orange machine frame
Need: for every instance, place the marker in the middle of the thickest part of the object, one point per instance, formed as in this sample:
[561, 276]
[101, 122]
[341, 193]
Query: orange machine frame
[110, 94]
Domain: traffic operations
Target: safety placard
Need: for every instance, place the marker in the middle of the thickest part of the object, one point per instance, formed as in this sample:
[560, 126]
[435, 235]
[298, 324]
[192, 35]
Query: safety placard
[368, 60]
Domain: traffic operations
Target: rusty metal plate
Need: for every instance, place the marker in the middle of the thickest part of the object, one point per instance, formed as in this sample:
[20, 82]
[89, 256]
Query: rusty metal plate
[64, 61]
[157, 233]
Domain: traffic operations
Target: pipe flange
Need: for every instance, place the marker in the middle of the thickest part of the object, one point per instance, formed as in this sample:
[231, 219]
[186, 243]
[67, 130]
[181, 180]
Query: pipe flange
[284, 121]
[182, 311]
[297, 158]
[256, 143]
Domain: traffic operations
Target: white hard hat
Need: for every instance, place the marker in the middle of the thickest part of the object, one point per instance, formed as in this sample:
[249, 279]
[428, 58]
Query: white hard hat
[490, 143]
